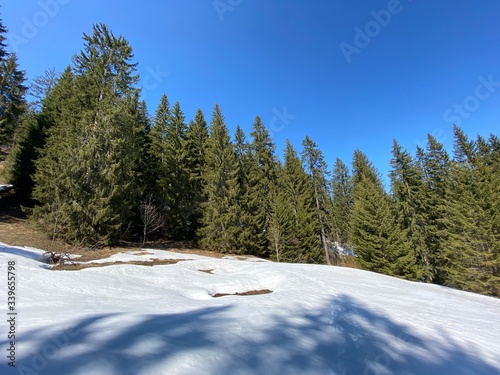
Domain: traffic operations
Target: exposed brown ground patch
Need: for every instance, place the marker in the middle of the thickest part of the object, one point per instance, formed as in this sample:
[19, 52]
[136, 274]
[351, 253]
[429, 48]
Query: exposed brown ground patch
[79, 266]
[207, 271]
[249, 293]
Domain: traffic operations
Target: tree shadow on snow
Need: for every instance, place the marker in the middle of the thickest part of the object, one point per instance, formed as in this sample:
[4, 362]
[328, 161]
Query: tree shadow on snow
[343, 337]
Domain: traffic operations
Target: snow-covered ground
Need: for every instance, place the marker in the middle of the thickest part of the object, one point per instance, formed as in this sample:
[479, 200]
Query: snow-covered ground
[132, 319]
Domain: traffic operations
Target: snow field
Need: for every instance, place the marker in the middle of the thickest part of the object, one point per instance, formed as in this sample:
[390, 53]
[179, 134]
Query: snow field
[132, 319]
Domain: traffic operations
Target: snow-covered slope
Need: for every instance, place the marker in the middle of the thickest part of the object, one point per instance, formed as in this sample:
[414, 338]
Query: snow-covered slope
[131, 319]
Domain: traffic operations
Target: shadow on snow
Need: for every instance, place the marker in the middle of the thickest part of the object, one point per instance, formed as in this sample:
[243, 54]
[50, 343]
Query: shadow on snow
[344, 337]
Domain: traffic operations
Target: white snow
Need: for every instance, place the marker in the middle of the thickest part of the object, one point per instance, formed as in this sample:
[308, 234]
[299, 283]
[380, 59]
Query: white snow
[132, 319]
[5, 187]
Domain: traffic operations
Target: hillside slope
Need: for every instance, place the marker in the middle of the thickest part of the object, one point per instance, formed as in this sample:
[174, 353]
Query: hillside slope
[133, 319]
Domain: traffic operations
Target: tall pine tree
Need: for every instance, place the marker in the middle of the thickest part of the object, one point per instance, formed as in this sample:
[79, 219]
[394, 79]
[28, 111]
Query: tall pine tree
[294, 226]
[86, 181]
[315, 165]
[374, 232]
[12, 98]
[342, 190]
[408, 191]
[435, 164]
[196, 140]
[221, 212]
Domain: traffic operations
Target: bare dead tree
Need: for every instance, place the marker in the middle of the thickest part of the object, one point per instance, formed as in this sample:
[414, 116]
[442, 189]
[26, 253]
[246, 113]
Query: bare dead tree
[151, 217]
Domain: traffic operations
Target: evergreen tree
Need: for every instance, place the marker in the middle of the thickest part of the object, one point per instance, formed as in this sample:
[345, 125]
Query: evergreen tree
[294, 226]
[176, 179]
[41, 87]
[247, 202]
[374, 232]
[31, 136]
[86, 181]
[12, 98]
[435, 164]
[158, 155]
[407, 185]
[472, 245]
[3, 46]
[221, 212]
[196, 140]
[316, 166]
[261, 177]
[342, 190]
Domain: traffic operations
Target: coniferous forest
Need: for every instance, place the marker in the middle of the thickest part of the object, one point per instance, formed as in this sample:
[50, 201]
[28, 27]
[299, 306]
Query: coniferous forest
[95, 168]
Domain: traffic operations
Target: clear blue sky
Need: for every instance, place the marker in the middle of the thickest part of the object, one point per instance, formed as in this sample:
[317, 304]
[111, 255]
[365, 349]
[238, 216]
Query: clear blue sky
[349, 74]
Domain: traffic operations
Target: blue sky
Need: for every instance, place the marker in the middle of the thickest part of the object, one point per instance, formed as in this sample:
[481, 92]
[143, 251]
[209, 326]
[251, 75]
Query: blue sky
[349, 74]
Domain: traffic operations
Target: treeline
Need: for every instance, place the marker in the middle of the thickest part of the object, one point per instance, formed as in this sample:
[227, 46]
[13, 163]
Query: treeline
[99, 169]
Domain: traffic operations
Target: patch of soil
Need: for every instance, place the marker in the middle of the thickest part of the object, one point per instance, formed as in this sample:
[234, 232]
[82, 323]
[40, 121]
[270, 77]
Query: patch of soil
[79, 266]
[207, 271]
[249, 293]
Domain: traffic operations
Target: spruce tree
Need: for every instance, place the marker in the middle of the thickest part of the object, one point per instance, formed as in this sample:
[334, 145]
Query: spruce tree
[247, 202]
[472, 244]
[261, 178]
[313, 159]
[41, 86]
[86, 181]
[374, 232]
[175, 181]
[196, 140]
[12, 92]
[3, 45]
[408, 191]
[221, 212]
[294, 225]
[342, 190]
[158, 154]
[12, 98]
[435, 164]
[31, 135]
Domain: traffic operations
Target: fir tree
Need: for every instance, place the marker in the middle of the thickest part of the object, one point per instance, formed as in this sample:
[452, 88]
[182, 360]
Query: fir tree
[316, 166]
[247, 202]
[374, 232]
[12, 98]
[41, 87]
[3, 45]
[221, 212]
[176, 179]
[85, 177]
[261, 177]
[31, 137]
[435, 164]
[472, 244]
[294, 225]
[196, 140]
[408, 188]
[157, 155]
[342, 190]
